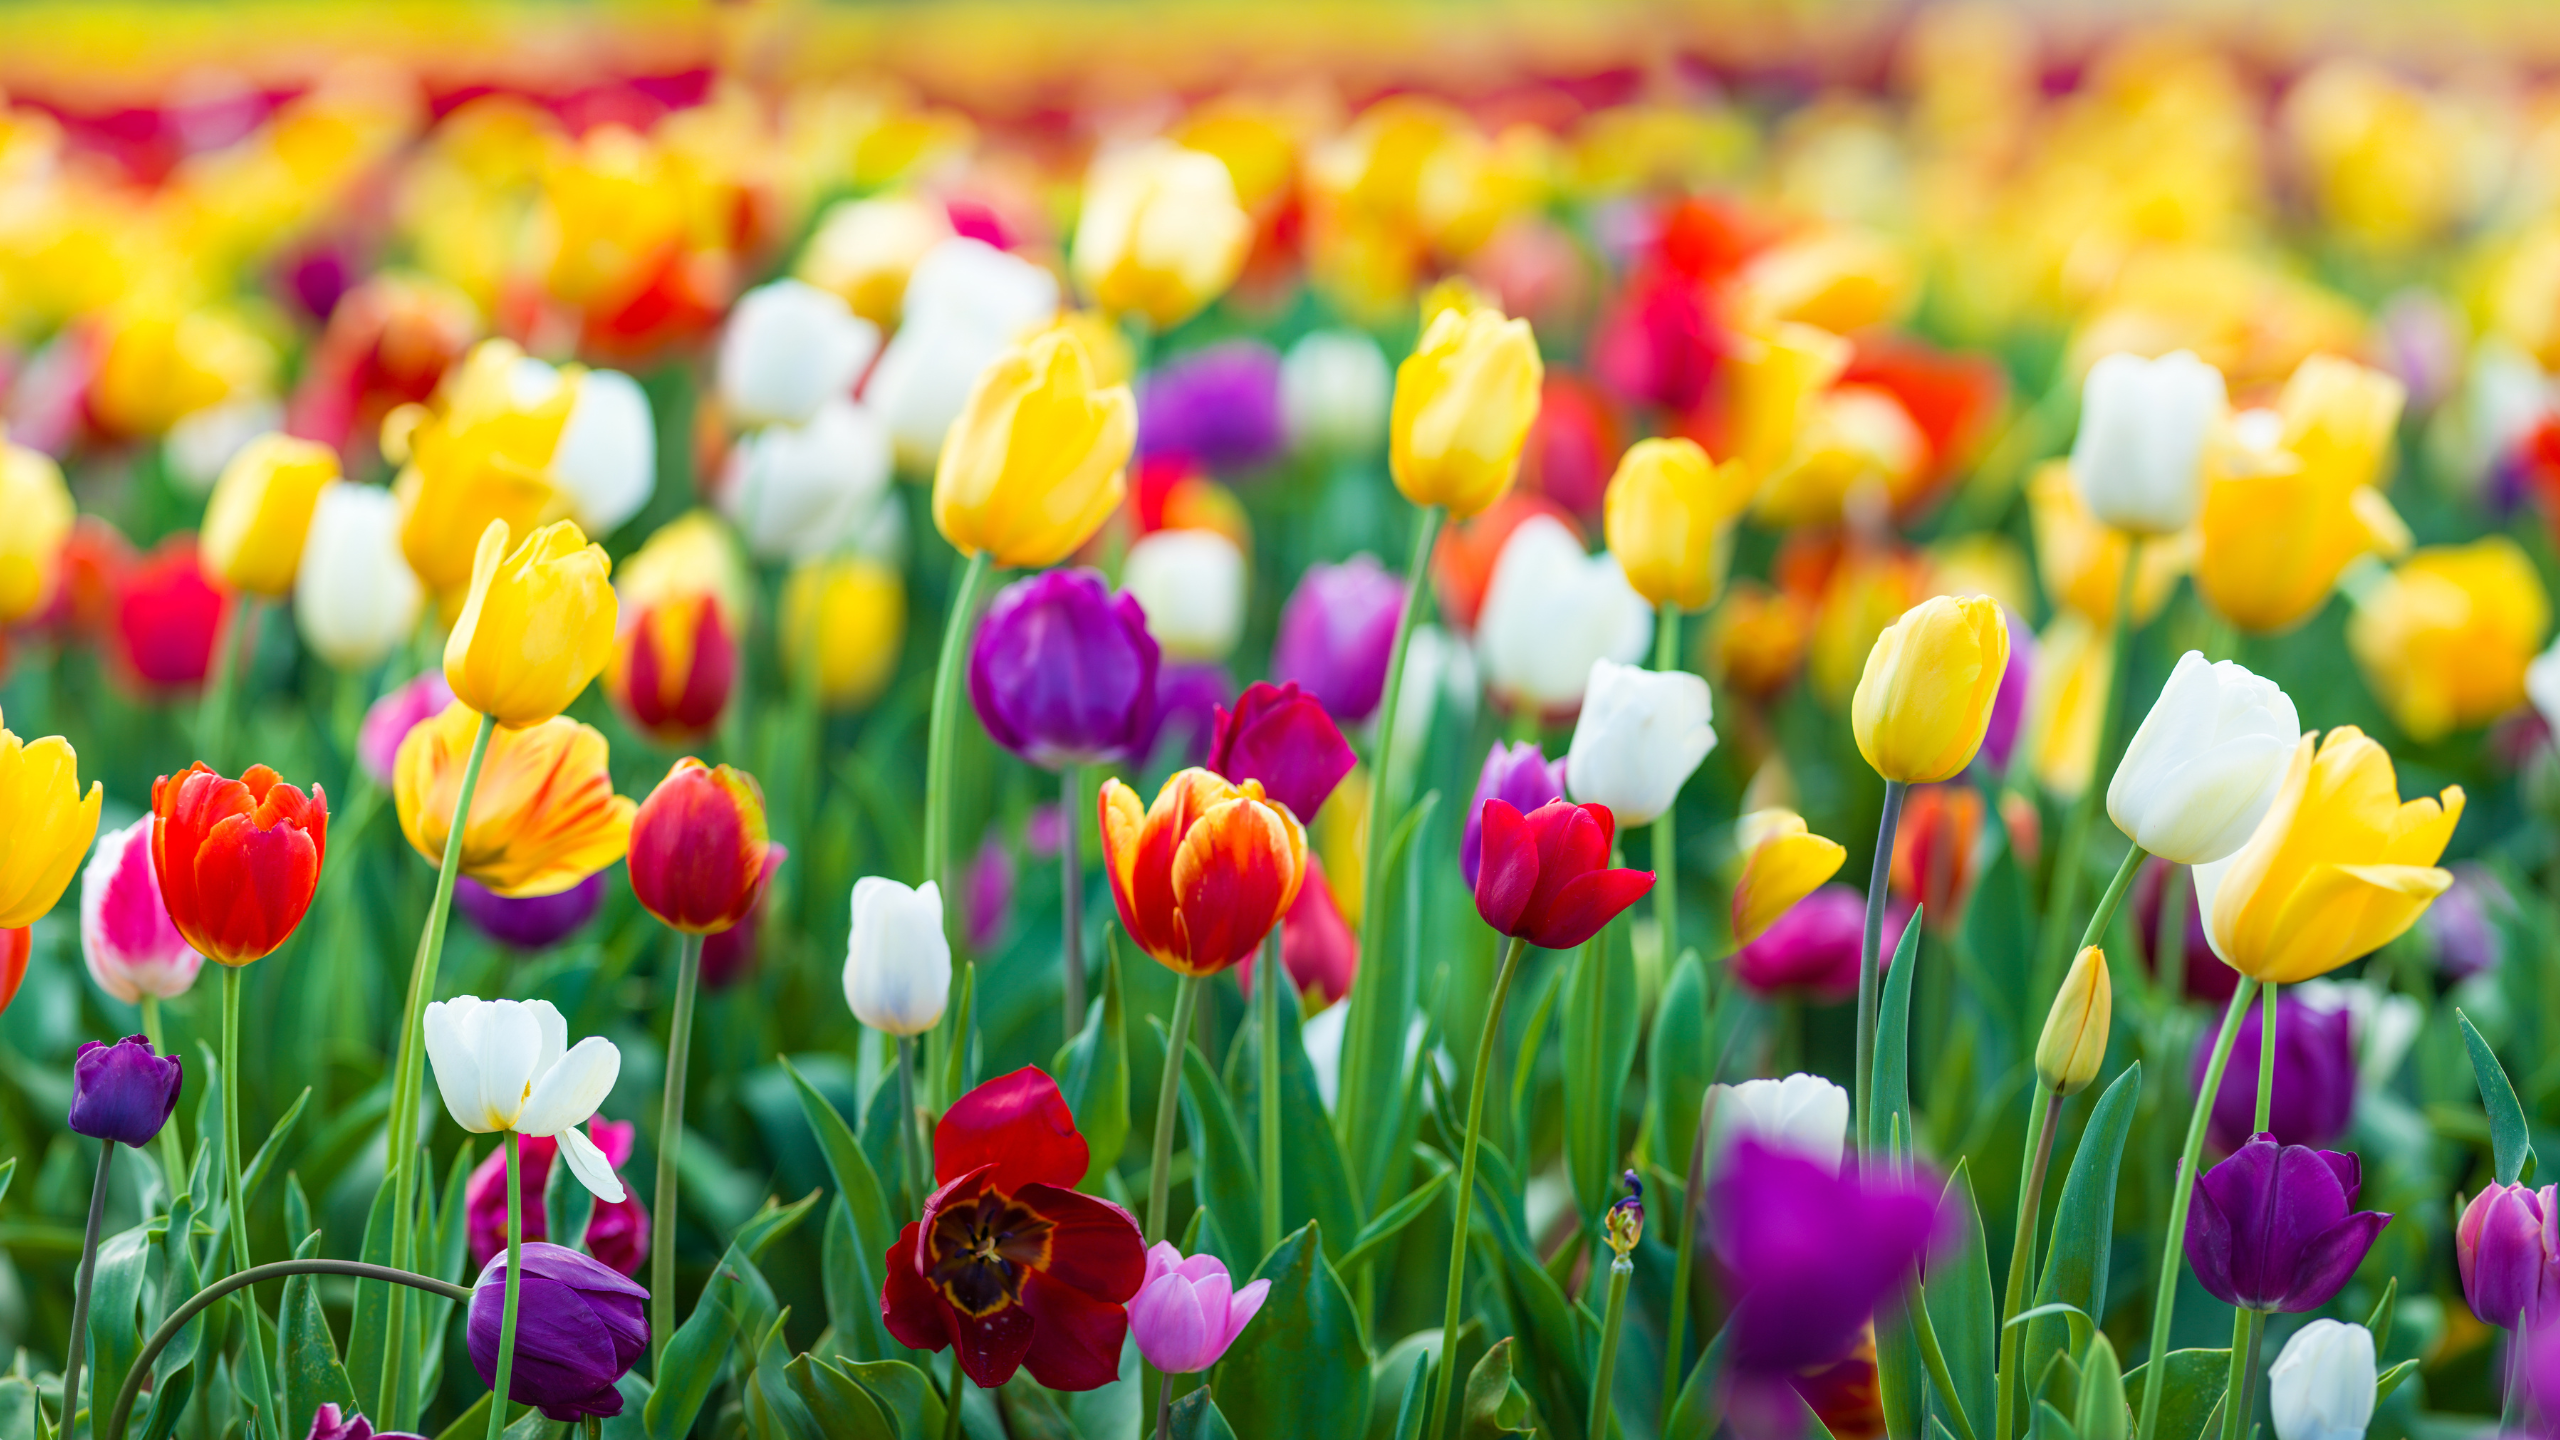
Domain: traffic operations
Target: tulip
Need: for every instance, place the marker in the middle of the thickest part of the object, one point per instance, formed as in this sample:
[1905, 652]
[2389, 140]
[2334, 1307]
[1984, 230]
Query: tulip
[2337, 868]
[537, 627]
[864, 250]
[543, 817]
[2295, 496]
[1063, 673]
[691, 555]
[1924, 699]
[506, 1065]
[805, 488]
[1544, 879]
[126, 937]
[2445, 641]
[848, 618]
[1550, 612]
[1334, 392]
[1573, 446]
[1202, 875]
[1933, 849]
[1161, 234]
[168, 616]
[1670, 514]
[354, 598]
[2464, 926]
[1281, 738]
[1516, 774]
[2508, 1247]
[2206, 977]
[50, 825]
[2082, 558]
[788, 348]
[987, 884]
[1188, 1311]
[1219, 406]
[1813, 948]
[966, 302]
[123, 1092]
[2206, 763]
[389, 720]
[40, 514]
[897, 967]
[1007, 1157]
[2143, 429]
[329, 1423]
[2321, 1386]
[1783, 862]
[2067, 704]
[1809, 1254]
[483, 453]
[582, 1327]
[1033, 465]
[673, 667]
[1802, 1115]
[1464, 556]
[2074, 1042]
[606, 465]
[1779, 376]
[260, 514]
[698, 847]
[1336, 634]
[617, 1231]
[2315, 1077]
[1641, 735]
[728, 956]
[532, 922]
[1463, 404]
[1191, 586]
[2271, 1228]
[237, 860]
[1660, 342]
[1756, 640]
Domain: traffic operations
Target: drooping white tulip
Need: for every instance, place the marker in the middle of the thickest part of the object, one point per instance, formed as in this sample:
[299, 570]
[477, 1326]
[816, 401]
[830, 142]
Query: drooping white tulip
[2321, 1386]
[2138, 460]
[897, 964]
[2206, 762]
[790, 347]
[355, 598]
[507, 1065]
[1803, 1113]
[1640, 736]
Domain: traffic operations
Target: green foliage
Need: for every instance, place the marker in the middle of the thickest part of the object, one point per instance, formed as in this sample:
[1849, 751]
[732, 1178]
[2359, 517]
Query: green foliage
[1306, 1370]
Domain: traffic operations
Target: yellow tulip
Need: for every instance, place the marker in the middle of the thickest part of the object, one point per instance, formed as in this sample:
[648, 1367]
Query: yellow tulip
[1339, 836]
[544, 815]
[1925, 699]
[2074, 1042]
[1853, 440]
[2339, 867]
[40, 514]
[864, 249]
[2385, 160]
[1669, 518]
[478, 456]
[260, 512]
[1161, 234]
[1778, 378]
[538, 624]
[1756, 639]
[2075, 666]
[1839, 280]
[2082, 559]
[693, 554]
[850, 615]
[1783, 863]
[1035, 462]
[163, 363]
[1464, 402]
[50, 825]
[1869, 589]
[2444, 641]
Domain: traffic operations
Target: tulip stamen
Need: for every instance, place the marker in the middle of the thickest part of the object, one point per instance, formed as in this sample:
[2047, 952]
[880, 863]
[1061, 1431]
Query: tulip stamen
[984, 1250]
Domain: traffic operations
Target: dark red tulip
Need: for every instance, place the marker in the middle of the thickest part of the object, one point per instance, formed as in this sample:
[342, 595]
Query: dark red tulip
[698, 848]
[1281, 736]
[1545, 876]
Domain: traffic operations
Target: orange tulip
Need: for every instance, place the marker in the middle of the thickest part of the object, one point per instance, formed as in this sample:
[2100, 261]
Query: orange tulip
[1203, 874]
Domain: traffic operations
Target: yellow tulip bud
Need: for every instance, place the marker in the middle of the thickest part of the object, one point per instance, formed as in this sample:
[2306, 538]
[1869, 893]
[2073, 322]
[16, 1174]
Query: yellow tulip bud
[2444, 641]
[40, 513]
[848, 615]
[537, 626]
[50, 825]
[1035, 462]
[2074, 1043]
[2066, 699]
[544, 815]
[2082, 559]
[1924, 701]
[1669, 518]
[2338, 869]
[261, 511]
[1464, 401]
[1784, 862]
[1161, 234]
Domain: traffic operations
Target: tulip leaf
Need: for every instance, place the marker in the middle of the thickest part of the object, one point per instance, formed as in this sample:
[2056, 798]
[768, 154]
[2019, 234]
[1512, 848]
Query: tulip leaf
[369, 1332]
[1551, 1329]
[1533, 1038]
[857, 1184]
[1315, 1179]
[1195, 1417]
[1999, 935]
[567, 1206]
[2510, 1142]
[2389, 1380]
[2102, 1414]
[772, 1402]
[853, 1298]
[1221, 1163]
[1494, 1404]
[1301, 1367]
[2048, 1423]
[1962, 1307]
[955, 1060]
[20, 1415]
[902, 1393]
[1699, 1407]
[1095, 1071]
[1374, 1235]
[168, 1402]
[1891, 1073]
[634, 1388]
[1417, 1398]
[312, 1375]
[2379, 1322]
[2196, 1381]
[1679, 1059]
[115, 1339]
[2084, 1223]
[1602, 1020]
[736, 1301]
[1366, 1112]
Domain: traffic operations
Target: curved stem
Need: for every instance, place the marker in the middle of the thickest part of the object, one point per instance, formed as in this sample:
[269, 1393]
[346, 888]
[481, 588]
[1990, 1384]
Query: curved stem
[2172, 1250]
[662, 1221]
[1269, 979]
[1666, 850]
[1186, 1000]
[1604, 1379]
[2107, 903]
[1870, 958]
[1467, 1182]
[1071, 895]
[507, 1313]
[88, 1276]
[2022, 1255]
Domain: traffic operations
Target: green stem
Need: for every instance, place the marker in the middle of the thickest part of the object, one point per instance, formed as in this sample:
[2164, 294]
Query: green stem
[2068, 857]
[507, 1313]
[1870, 956]
[2101, 917]
[951, 1412]
[1071, 895]
[173, 1156]
[2022, 1258]
[1604, 1379]
[909, 1172]
[2171, 1250]
[2266, 1059]
[941, 741]
[1666, 851]
[1177, 1036]
[1467, 1179]
[2240, 1401]
[88, 1277]
[1934, 1358]
[1692, 1198]
[1269, 978]
[1164, 1407]
[252, 1351]
[662, 1220]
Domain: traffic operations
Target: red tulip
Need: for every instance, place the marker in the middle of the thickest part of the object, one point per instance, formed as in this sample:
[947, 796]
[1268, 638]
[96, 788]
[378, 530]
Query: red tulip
[168, 614]
[237, 859]
[14, 946]
[1281, 736]
[1544, 875]
[698, 848]
[673, 667]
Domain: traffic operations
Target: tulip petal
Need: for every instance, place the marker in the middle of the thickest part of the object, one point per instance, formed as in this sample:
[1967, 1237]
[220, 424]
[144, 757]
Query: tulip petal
[506, 1049]
[1175, 1332]
[992, 1346]
[1781, 871]
[1241, 1308]
[588, 1164]
[569, 1092]
[1238, 868]
[916, 1314]
[2329, 1260]
[1095, 1245]
[2340, 913]
[452, 1034]
[1019, 1126]
[1076, 1343]
[1507, 872]
[1587, 902]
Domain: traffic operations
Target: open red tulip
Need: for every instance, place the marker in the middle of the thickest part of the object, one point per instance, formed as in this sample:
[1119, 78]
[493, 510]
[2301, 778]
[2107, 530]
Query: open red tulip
[237, 859]
[1544, 877]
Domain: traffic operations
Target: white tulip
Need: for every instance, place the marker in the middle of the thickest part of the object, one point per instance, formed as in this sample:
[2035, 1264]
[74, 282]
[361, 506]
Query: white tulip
[1191, 584]
[1439, 668]
[2321, 1386]
[2139, 458]
[607, 459]
[864, 249]
[355, 598]
[2206, 763]
[2542, 685]
[1803, 1113]
[1335, 386]
[2382, 1024]
[507, 1065]
[790, 347]
[897, 965]
[202, 442]
[1549, 611]
[1640, 736]
[797, 491]
[967, 302]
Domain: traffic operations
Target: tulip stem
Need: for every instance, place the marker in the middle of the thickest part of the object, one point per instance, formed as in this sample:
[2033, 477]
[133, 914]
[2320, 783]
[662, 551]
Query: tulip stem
[2022, 1257]
[2172, 1248]
[88, 1277]
[2101, 917]
[1692, 1201]
[1186, 1000]
[941, 740]
[951, 1412]
[507, 1314]
[909, 1172]
[173, 1156]
[1666, 850]
[1268, 980]
[234, 644]
[1467, 1179]
[2266, 1058]
[2239, 1401]
[2069, 857]
[1604, 1379]
[1164, 1407]
[662, 1221]
[1870, 946]
[251, 1350]
[1070, 895]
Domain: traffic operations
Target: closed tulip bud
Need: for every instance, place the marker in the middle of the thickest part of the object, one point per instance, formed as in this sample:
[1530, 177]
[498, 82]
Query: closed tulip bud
[2143, 428]
[1551, 611]
[1189, 1311]
[1545, 877]
[2074, 1043]
[2507, 1246]
[482, 453]
[673, 667]
[1062, 672]
[1034, 463]
[40, 515]
[897, 963]
[1161, 234]
[847, 616]
[1191, 584]
[2206, 762]
[1641, 735]
[966, 304]
[123, 1092]
[126, 937]
[1202, 875]
[537, 627]
[50, 825]
[2445, 642]
[693, 554]
[1218, 405]
[1669, 517]
[790, 347]
[1280, 737]
[1783, 862]
[698, 847]
[1779, 379]
[1334, 390]
[260, 513]
[1934, 850]
[1464, 401]
[580, 1327]
[2274, 1227]
[237, 859]
[1336, 632]
[2321, 1386]
[544, 816]
[1925, 697]
[802, 489]
[354, 599]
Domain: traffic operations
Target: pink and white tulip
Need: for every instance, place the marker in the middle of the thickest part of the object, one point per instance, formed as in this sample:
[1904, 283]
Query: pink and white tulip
[126, 937]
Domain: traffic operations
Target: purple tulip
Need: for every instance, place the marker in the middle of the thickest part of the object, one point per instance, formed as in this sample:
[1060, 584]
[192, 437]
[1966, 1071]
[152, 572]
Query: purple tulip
[986, 889]
[2508, 1248]
[536, 922]
[580, 1327]
[1813, 949]
[123, 1091]
[327, 1424]
[2537, 1373]
[2274, 1226]
[1063, 672]
[2009, 704]
[1336, 635]
[1044, 831]
[1188, 698]
[1219, 405]
[1519, 775]
[1280, 735]
[2463, 926]
[2315, 1077]
[2206, 977]
[1809, 1254]
[390, 719]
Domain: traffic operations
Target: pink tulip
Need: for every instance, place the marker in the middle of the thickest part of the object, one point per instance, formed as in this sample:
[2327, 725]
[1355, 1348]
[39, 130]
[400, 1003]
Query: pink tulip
[126, 936]
[1188, 1312]
[391, 718]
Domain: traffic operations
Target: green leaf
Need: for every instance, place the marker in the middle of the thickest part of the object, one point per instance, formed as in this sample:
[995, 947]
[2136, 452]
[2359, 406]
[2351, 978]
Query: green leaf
[1302, 1367]
[1697, 1411]
[1373, 1038]
[1677, 1061]
[1602, 1020]
[773, 1405]
[1495, 1404]
[265, 1159]
[297, 1206]
[902, 1392]
[1095, 1071]
[2195, 1385]
[312, 1375]
[2084, 1221]
[1999, 936]
[168, 1403]
[847, 1165]
[860, 1247]
[173, 1375]
[1962, 1308]
[1417, 1398]
[635, 1402]
[853, 1299]
[1315, 1178]
[1375, 1235]
[2389, 1380]
[1195, 1417]
[9, 1171]
[1555, 1357]
[955, 1068]
[368, 1333]
[2102, 1414]
[2047, 1423]
[115, 1335]
[1533, 1039]
[1222, 1165]
[2510, 1142]
[736, 1301]
[2379, 1322]
[1891, 1073]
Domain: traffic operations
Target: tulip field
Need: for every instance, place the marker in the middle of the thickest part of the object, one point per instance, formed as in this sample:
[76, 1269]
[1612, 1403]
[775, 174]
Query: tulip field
[1254, 721]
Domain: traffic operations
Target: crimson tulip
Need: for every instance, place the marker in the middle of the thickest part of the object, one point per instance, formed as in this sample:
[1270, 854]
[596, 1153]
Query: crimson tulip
[1544, 876]
[1281, 736]
[698, 848]
[15, 946]
[237, 859]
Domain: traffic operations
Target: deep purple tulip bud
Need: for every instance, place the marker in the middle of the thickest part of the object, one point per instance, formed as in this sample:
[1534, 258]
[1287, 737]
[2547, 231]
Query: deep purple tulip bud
[1219, 405]
[2274, 1227]
[1280, 735]
[1063, 672]
[122, 1091]
[1809, 1255]
[2462, 924]
[2508, 1245]
[1188, 698]
[2009, 703]
[536, 922]
[1521, 776]
[2315, 1077]
[1338, 632]
[328, 1424]
[580, 1326]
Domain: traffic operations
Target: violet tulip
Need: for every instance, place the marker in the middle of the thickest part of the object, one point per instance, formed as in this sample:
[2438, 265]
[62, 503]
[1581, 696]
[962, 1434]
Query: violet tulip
[1063, 672]
[2508, 1245]
[2274, 1227]
[536, 922]
[1188, 1311]
[1809, 1254]
[1281, 736]
[1519, 775]
[330, 1423]
[123, 1092]
[2315, 1077]
[986, 895]
[2009, 703]
[1188, 696]
[2462, 925]
[580, 1327]
[389, 720]
[1812, 949]
[1336, 632]
[2206, 977]
[617, 1230]
[1219, 405]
